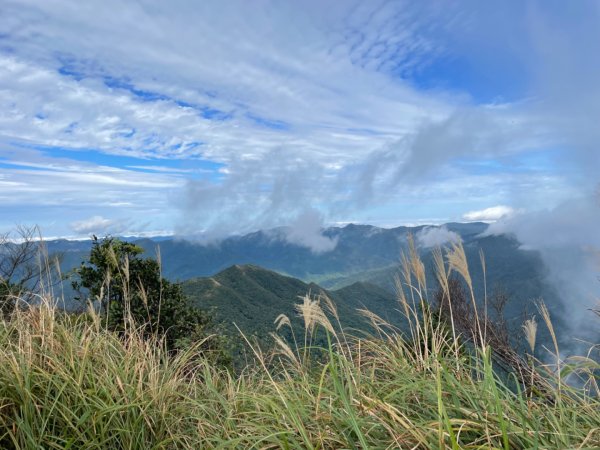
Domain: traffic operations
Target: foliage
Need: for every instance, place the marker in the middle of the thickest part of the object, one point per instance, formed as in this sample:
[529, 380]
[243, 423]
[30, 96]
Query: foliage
[250, 298]
[25, 268]
[79, 385]
[363, 254]
[132, 294]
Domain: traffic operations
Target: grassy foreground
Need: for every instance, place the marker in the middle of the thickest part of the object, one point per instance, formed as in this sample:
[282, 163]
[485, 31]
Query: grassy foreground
[67, 382]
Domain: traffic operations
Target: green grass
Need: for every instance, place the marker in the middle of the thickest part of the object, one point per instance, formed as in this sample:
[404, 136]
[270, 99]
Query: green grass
[66, 382]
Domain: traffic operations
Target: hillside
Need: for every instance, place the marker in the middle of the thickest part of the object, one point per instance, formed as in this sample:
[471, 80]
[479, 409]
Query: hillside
[252, 297]
[519, 273]
[89, 388]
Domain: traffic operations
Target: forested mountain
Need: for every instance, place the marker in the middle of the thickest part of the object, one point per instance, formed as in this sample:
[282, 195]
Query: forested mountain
[359, 250]
[251, 298]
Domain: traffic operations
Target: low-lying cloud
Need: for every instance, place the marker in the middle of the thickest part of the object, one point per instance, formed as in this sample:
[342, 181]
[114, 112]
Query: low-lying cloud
[489, 214]
[568, 240]
[306, 230]
[430, 237]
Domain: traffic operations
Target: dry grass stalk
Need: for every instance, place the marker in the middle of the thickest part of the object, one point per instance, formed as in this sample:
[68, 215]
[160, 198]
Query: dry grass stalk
[311, 312]
[546, 316]
[401, 296]
[530, 330]
[442, 278]
[416, 266]
[485, 297]
[457, 260]
[282, 320]
[285, 349]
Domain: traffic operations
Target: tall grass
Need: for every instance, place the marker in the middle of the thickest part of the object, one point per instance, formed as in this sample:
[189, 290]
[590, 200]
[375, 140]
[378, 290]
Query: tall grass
[66, 382]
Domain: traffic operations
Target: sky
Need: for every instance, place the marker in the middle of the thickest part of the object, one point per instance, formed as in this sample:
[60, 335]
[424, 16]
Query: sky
[185, 117]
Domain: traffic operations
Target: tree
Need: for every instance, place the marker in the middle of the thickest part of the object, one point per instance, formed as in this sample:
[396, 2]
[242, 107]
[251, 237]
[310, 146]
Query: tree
[131, 294]
[25, 268]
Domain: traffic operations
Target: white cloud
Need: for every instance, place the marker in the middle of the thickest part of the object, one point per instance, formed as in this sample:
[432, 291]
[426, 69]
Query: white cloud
[572, 223]
[326, 104]
[306, 230]
[40, 179]
[430, 237]
[97, 225]
[489, 214]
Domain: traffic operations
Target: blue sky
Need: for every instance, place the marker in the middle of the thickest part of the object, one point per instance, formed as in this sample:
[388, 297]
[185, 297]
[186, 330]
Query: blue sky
[226, 117]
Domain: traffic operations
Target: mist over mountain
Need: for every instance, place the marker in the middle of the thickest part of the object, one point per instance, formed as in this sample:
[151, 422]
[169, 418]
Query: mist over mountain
[358, 248]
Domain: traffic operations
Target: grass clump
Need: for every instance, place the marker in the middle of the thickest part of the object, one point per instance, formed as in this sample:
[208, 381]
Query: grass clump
[68, 382]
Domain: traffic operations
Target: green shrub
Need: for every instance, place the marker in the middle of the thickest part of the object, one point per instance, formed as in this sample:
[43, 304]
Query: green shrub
[131, 295]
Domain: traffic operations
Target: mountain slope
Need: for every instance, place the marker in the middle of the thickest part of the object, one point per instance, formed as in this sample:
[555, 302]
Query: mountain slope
[363, 253]
[252, 298]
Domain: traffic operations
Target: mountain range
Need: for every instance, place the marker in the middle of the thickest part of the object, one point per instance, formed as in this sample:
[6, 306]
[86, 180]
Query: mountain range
[363, 253]
[251, 279]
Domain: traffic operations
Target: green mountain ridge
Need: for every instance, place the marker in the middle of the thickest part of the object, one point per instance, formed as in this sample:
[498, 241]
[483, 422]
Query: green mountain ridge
[251, 298]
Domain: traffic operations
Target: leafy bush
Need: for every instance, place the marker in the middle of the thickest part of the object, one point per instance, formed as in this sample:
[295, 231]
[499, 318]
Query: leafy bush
[132, 295]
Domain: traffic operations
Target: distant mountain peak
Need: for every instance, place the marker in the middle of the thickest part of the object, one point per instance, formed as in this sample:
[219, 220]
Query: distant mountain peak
[359, 226]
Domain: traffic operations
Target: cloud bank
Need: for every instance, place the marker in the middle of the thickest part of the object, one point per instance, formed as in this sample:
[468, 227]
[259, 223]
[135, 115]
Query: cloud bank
[568, 240]
[172, 100]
